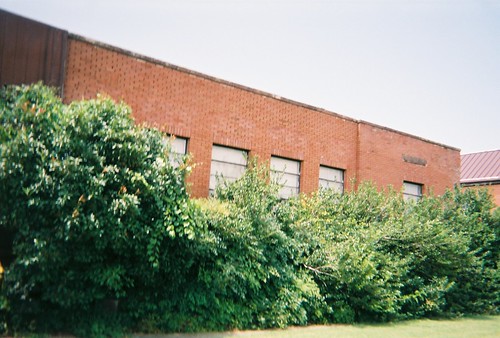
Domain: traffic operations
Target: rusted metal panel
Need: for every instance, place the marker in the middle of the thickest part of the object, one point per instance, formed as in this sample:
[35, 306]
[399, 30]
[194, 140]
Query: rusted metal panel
[31, 51]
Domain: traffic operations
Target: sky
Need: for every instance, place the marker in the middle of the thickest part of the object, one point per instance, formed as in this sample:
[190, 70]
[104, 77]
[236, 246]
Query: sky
[430, 68]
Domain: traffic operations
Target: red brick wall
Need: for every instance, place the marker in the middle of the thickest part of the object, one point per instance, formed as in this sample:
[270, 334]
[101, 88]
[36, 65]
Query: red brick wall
[388, 158]
[208, 111]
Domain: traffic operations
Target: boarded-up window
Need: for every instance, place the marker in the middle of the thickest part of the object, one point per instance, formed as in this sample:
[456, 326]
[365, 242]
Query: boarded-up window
[228, 164]
[412, 191]
[287, 173]
[331, 178]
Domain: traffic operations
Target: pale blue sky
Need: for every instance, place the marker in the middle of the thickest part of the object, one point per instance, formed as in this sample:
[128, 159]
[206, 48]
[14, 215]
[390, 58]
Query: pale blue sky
[426, 67]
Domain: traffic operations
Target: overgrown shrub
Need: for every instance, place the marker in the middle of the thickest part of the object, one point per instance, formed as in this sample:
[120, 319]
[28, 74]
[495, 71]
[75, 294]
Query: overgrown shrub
[95, 205]
[377, 257]
[469, 213]
[246, 271]
[106, 239]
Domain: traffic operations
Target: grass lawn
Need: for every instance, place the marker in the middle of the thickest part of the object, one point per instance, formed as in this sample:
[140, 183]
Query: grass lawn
[484, 326]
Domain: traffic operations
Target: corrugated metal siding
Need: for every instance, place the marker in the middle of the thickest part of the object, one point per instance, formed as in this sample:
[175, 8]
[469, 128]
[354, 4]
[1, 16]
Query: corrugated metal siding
[31, 51]
[480, 167]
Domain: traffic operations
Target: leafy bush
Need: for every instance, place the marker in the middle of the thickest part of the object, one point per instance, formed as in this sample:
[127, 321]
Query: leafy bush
[469, 213]
[376, 257]
[246, 274]
[107, 240]
[94, 203]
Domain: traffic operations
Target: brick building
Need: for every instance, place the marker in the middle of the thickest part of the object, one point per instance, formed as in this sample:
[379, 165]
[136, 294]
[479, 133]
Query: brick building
[219, 122]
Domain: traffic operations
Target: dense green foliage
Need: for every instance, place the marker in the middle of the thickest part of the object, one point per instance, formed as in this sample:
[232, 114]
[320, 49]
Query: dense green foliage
[107, 240]
[379, 258]
[94, 203]
[248, 263]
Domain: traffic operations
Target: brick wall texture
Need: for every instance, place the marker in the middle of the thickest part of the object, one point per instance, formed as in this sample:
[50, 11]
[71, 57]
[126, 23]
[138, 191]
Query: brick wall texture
[210, 111]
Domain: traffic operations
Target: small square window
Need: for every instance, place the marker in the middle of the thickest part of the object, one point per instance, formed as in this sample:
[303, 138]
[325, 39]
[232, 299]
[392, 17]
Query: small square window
[286, 173]
[412, 191]
[331, 178]
[228, 164]
[178, 149]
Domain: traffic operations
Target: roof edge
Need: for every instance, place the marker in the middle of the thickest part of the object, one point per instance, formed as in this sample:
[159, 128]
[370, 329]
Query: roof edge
[245, 88]
[489, 180]
[22, 16]
[410, 135]
[205, 76]
[481, 152]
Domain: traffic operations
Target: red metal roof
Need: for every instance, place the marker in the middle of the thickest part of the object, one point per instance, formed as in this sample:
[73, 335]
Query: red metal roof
[480, 167]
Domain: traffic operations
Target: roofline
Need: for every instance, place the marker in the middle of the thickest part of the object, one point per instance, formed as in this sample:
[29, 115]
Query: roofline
[245, 88]
[481, 152]
[233, 84]
[205, 76]
[409, 135]
[485, 180]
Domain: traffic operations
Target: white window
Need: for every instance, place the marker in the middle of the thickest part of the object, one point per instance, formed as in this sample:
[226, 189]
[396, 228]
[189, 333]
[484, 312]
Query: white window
[286, 173]
[331, 178]
[412, 191]
[228, 164]
[178, 148]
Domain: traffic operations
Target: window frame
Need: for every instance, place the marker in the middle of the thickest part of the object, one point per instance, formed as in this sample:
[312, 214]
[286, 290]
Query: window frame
[279, 175]
[175, 157]
[215, 176]
[411, 196]
[337, 185]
